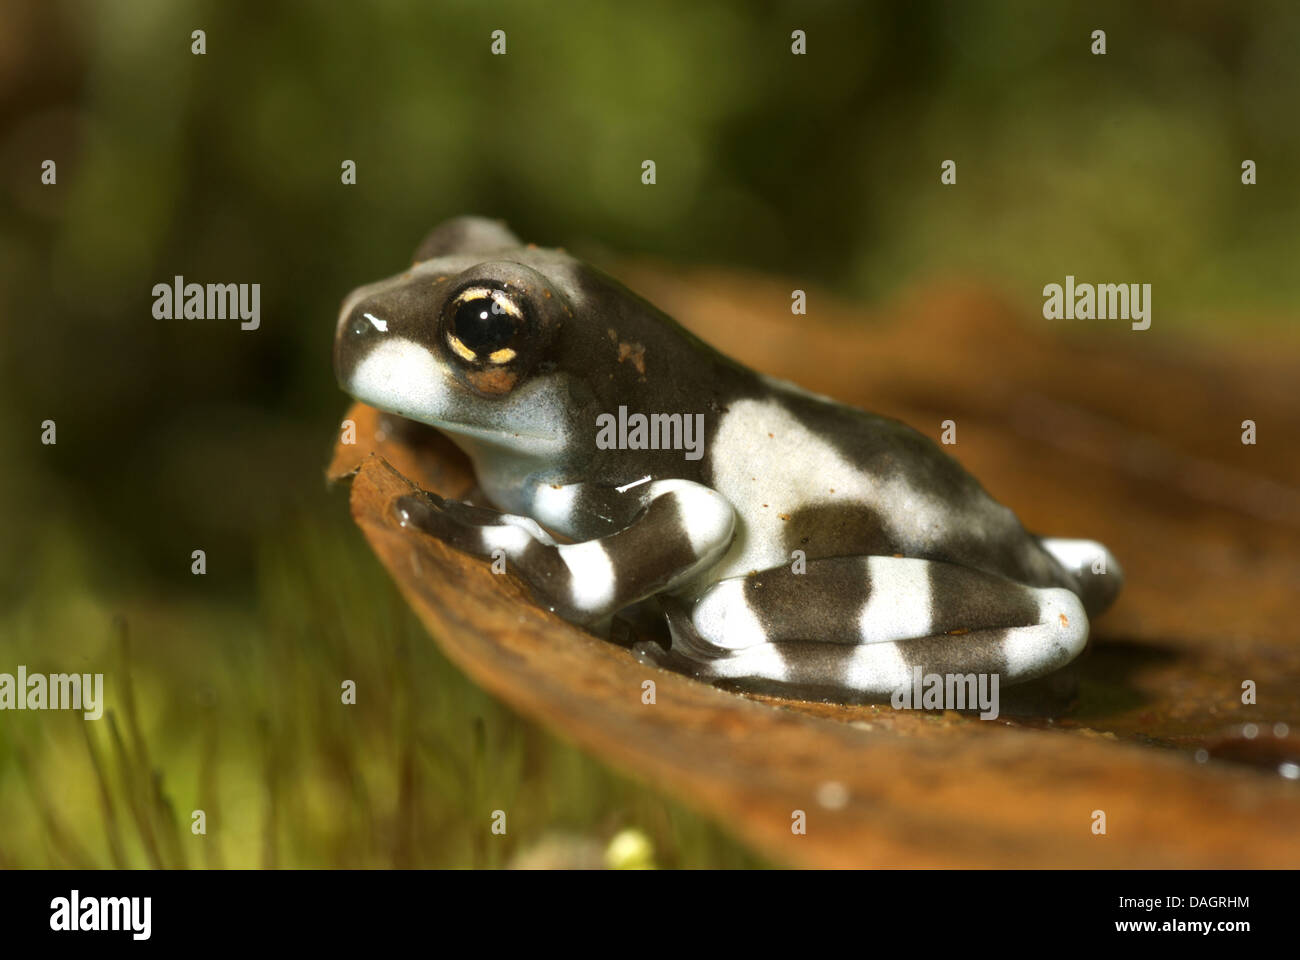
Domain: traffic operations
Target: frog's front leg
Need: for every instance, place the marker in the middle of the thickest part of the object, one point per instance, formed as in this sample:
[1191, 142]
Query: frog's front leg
[674, 529]
[859, 625]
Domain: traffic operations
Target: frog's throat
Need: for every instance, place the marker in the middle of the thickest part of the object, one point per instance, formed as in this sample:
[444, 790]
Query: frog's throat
[483, 445]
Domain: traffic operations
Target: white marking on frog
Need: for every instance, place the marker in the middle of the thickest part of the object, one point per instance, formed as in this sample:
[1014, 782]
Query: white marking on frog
[405, 371]
[898, 607]
[794, 468]
[592, 574]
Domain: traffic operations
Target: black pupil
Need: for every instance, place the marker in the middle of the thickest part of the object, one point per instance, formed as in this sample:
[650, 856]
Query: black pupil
[483, 326]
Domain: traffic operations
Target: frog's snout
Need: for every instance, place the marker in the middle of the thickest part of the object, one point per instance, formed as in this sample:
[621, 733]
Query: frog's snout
[360, 328]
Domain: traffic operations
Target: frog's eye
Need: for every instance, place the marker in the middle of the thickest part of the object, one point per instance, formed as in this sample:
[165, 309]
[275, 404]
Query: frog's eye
[483, 326]
[491, 336]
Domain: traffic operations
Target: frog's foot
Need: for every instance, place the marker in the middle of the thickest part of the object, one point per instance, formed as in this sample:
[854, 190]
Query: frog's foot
[587, 582]
[858, 626]
[1095, 568]
[483, 532]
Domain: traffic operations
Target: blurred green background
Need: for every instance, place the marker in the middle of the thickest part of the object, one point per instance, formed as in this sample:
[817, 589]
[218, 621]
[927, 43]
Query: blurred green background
[176, 435]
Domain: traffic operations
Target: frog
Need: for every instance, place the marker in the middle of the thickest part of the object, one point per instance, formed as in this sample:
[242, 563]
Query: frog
[797, 543]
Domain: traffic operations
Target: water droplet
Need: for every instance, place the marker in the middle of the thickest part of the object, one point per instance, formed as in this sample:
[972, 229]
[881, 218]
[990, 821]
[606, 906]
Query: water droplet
[833, 795]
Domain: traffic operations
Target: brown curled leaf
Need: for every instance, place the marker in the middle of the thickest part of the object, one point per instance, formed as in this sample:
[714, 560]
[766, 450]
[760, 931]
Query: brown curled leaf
[881, 787]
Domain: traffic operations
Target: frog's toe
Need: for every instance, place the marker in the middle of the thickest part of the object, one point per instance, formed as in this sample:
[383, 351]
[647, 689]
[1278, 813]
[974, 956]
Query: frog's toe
[1095, 568]
[476, 530]
[1058, 637]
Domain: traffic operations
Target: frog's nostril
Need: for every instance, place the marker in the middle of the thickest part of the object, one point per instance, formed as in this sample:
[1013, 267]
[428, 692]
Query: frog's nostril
[364, 323]
[375, 322]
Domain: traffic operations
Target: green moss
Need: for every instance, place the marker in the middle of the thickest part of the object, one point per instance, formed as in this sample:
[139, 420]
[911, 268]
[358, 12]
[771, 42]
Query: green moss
[240, 715]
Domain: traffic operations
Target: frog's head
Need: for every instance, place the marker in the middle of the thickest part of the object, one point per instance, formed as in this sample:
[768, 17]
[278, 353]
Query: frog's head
[511, 347]
[462, 340]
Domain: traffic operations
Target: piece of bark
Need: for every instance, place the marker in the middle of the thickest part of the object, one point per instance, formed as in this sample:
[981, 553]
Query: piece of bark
[881, 787]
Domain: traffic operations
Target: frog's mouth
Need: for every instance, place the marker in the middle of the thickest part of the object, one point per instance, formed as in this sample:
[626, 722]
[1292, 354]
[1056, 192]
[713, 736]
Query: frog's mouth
[541, 446]
[403, 377]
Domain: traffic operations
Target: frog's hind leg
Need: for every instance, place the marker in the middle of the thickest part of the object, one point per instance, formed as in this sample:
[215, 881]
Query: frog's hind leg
[858, 626]
[1093, 567]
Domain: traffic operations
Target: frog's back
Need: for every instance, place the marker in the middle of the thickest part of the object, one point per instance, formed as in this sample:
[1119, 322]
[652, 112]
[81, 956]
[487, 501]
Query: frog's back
[806, 473]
